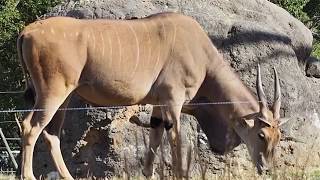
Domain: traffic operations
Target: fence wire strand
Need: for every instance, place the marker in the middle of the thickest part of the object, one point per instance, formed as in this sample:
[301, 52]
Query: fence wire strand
[120, 107]
[11, 92]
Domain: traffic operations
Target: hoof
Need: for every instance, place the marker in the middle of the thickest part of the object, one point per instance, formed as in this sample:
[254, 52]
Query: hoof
[67, 178]
[28, 178]
[148, 173]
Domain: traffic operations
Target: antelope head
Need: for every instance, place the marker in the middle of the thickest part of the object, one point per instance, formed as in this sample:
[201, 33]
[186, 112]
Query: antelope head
[262, 132]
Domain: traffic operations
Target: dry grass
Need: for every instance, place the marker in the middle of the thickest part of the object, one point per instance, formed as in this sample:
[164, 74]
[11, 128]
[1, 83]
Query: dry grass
[232, 171]
[229, 173]
[7, 177]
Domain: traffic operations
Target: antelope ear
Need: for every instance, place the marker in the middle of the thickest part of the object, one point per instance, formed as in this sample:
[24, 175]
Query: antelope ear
[246, 122]
[282, 121]
[264, 121]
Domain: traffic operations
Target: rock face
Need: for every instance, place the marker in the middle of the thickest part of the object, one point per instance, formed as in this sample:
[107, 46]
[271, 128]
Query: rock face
[313, 67]
[102, 143]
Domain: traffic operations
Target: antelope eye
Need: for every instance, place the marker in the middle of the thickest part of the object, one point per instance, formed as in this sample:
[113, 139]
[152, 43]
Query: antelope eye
[261, 136]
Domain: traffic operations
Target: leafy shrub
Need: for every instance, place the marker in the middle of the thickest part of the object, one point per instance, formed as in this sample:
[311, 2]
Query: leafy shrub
[295, 8]
[14, 15]
[308, 12]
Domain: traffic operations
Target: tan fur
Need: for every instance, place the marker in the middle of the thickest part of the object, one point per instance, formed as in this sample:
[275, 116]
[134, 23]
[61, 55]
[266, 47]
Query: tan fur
[162, 59]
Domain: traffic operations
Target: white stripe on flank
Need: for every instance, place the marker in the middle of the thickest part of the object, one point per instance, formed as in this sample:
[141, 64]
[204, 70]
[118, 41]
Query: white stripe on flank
[102, 40]
[164, 29]
[159, 53]
[138, 50]
[149, 44]
[110, 47]
[158, 57]
[174, 32]
[120, 46]
[93, 39]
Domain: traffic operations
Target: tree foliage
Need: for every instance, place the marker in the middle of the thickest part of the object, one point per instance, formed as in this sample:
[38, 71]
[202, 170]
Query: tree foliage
[312, 8]
[308, 12]
[294, 7]
[14, 15]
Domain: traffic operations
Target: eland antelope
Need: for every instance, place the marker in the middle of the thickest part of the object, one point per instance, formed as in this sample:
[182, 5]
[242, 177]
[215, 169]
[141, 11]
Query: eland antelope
[165, 59]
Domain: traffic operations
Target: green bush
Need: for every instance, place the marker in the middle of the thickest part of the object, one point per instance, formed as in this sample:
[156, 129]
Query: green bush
[312, 9]
[10, 76]
[295, 8]
[316, 49]
[308, 12]
[14, 15]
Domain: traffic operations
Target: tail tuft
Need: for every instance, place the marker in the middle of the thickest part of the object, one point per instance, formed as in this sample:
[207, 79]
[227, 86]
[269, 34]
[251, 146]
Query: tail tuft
[29, 96]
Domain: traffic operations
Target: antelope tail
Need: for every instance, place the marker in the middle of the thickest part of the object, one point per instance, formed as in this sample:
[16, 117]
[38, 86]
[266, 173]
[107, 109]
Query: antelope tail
[29, 93]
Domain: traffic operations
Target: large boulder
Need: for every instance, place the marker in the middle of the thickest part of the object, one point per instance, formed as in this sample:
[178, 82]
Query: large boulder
[101, 143]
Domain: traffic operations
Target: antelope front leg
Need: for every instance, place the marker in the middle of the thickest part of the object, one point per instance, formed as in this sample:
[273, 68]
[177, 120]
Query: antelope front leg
[171, 118]
[155, 137]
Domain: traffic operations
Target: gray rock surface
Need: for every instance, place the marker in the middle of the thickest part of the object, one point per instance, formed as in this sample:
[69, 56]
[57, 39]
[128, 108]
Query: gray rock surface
[245, 32]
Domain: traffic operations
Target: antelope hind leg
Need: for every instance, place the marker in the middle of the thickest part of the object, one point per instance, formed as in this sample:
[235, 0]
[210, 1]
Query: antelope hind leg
[33, 125]
[52, 137]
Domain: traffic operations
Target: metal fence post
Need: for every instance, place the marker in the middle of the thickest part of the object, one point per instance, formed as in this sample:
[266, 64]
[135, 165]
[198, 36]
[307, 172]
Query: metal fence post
[8, 149]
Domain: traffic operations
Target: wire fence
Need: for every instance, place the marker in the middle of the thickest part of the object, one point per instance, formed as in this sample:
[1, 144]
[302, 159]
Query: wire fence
[10, 155]
[111, 107]
[9, 150]
[121, 106]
